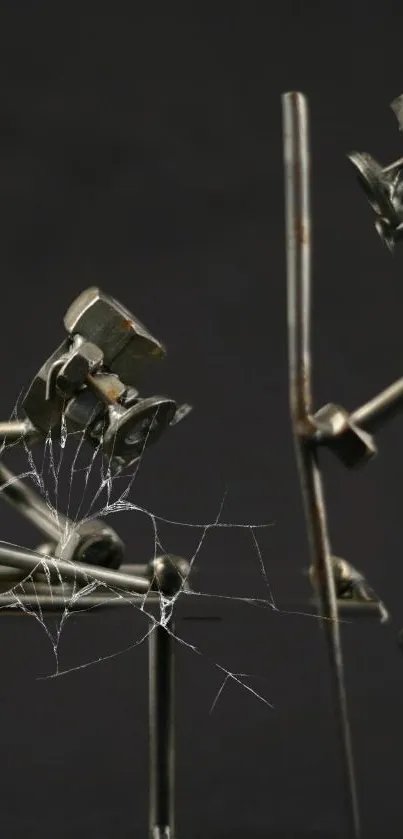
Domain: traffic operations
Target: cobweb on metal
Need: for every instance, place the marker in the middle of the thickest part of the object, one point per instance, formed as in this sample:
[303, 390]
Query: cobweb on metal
[58, 466]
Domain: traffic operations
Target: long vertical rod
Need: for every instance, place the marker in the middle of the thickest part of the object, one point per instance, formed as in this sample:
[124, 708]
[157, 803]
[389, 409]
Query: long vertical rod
[298, 233]
[161, 733]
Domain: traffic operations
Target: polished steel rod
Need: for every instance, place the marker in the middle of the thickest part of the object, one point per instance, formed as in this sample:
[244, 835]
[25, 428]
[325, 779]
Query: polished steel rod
[13, 430]
[378, 411]
[161, 732]
[29, 561]
[298, 249]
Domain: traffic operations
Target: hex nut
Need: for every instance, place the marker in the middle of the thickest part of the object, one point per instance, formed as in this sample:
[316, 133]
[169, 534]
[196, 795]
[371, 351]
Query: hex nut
[82, 361]
[350, 444]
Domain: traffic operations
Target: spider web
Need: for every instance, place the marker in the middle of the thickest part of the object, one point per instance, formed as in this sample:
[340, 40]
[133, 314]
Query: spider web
[64, 461]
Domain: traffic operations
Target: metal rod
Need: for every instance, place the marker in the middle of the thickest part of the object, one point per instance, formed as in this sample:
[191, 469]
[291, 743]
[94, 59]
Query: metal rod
[31, 505]
[298, 232]
[379, 410]
[52, 599]
[36, 602]
[13, 430]
[28, 561]
[161, 733]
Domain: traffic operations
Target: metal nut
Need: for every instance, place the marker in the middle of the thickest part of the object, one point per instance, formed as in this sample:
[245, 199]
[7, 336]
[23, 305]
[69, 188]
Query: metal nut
[82, 361]
[351, 444]
[92, 542]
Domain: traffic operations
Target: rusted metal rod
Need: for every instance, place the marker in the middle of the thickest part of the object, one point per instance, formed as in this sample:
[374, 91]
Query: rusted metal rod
[298, 249]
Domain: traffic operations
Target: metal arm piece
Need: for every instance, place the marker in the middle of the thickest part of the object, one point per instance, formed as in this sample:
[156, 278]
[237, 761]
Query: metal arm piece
[89, 384]
[383, 187]
[298, 233]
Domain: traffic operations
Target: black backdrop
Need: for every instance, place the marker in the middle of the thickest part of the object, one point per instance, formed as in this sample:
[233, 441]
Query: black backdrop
[141, 150]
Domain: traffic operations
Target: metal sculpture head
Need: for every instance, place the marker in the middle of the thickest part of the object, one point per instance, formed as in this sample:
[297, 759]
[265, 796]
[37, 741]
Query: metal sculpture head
[91, 381]
[383, 186]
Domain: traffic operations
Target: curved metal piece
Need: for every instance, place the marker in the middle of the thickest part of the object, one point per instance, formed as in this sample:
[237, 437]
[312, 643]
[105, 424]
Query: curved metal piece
[298, 232]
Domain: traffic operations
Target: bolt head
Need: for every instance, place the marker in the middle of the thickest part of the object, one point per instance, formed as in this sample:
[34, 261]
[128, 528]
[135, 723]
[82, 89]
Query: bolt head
[126, 344]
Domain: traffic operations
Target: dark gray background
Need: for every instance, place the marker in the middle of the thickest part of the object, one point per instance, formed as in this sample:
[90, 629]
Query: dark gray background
[140, 149]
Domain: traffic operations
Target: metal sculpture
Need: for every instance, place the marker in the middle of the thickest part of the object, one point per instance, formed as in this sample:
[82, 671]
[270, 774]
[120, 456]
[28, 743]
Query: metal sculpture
[89, 385]
[349, 434]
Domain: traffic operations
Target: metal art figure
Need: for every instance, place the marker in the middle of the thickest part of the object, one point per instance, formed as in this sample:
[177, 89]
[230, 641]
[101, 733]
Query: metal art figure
[348, 434]
[89, 384]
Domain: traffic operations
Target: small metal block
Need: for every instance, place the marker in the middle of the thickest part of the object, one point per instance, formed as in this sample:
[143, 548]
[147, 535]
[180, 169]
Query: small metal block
[124, 341]
[334, 428]
[82, 361]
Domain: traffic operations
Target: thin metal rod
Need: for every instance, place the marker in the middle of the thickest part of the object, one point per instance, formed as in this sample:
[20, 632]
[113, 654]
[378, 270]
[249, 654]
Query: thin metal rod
[30, 505]
[161, 733]
[378, 411]
[14, 430]
[298, 233]
[36, 602]
[51, 599]
[28, 561]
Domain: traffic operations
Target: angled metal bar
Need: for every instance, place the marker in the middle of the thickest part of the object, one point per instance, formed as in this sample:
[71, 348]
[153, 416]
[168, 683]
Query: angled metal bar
[298, 247]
